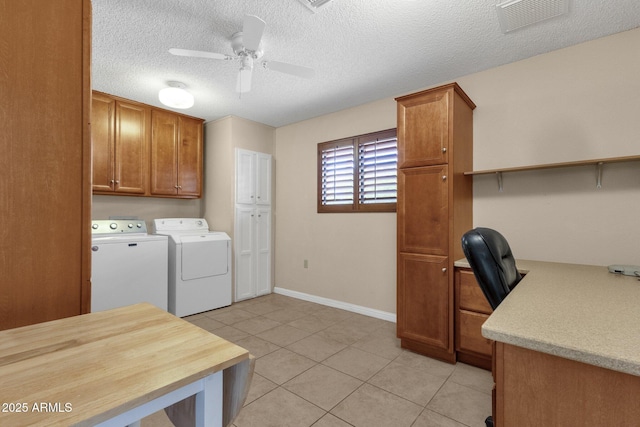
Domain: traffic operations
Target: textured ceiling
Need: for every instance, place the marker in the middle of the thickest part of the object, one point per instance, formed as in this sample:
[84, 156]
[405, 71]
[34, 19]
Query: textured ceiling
[361, 50]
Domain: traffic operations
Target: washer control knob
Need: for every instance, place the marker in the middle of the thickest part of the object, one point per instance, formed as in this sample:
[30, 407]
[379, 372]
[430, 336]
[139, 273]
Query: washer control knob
[94, 226]
[113, 226]
[130, 225]
[139, 225]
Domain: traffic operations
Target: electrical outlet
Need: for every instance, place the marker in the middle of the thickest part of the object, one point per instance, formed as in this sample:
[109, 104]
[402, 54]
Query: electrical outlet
[306, 263]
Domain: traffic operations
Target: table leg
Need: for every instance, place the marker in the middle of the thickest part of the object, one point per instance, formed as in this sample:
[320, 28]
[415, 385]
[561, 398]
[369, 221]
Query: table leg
[209, 402]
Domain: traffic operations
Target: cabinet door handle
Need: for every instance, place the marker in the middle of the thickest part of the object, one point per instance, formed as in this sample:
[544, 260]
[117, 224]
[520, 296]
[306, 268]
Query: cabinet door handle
[444, 269]
[444, 177]
[117, 182]
[444, 149]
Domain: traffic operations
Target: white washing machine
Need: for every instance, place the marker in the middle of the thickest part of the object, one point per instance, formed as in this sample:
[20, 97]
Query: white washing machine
[128, 266]
[199, 265]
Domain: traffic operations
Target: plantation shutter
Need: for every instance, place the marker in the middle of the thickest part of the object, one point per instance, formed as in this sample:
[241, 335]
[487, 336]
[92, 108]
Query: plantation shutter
[378, 169]
[337, 163]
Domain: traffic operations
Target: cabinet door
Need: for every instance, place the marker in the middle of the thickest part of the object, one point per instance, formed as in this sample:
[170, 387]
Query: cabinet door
[424, 300]
[164, 165]
[263, 251]
[189, 157]
[45, 202]
[131, 148]
[244, 253]
[263, 179]
[102, 142]
[423, 129]
[422, 210]
[245, 176]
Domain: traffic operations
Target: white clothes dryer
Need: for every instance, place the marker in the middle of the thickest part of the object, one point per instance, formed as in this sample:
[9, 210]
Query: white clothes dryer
[199, 265]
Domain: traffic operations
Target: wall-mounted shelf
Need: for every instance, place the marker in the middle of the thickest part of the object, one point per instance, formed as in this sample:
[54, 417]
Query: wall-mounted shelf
[598, 163]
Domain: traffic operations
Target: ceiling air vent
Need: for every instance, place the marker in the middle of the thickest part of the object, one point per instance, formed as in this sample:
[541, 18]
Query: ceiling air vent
[314, 5]
[514, 14]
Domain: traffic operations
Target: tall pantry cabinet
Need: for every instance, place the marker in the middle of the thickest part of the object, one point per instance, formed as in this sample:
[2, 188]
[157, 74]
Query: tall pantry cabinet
[45, 190]
[252, 224]
[434, 209]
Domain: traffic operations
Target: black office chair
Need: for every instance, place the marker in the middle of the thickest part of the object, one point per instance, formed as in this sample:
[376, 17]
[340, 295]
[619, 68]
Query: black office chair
[493, 265]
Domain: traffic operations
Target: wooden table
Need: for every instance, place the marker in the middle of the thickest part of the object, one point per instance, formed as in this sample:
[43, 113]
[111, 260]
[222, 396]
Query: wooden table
[111, 368]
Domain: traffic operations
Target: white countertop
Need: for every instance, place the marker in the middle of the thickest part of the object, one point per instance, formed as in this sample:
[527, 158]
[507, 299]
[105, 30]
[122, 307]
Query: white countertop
[579, 312]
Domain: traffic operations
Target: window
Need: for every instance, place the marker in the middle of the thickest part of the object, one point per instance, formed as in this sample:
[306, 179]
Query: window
[358, 174]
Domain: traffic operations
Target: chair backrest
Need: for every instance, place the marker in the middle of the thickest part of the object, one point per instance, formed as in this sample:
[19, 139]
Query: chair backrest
[492, 262]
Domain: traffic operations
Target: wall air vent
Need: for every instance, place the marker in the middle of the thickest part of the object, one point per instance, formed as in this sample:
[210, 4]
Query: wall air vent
[314, 5]
[514, 14]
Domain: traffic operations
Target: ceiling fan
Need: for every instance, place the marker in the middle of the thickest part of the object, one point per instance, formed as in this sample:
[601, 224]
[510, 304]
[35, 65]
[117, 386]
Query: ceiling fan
[247, 47]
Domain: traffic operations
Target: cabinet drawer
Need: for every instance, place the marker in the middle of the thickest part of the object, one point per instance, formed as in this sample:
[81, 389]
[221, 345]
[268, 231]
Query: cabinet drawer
[469, 333]
[471, 297]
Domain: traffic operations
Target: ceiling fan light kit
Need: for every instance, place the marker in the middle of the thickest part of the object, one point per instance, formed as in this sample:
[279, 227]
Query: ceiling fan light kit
[247, 47]
[175, 96]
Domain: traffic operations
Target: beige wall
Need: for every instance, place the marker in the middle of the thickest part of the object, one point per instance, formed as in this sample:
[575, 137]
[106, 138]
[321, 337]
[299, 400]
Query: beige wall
[572, 104]
[222, 137]
[351, 256]
[147, 208]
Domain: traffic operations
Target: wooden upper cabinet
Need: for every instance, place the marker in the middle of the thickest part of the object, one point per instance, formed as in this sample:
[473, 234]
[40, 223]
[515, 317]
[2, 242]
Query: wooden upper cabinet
[426, 124]
[141, 150]
[176, 155]
[120, 145]
[103, 141]
[164, 165]
[131, 157]
[189, 156]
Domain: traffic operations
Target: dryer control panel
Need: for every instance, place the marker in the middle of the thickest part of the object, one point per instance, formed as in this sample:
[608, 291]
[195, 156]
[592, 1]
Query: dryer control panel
[180, 225]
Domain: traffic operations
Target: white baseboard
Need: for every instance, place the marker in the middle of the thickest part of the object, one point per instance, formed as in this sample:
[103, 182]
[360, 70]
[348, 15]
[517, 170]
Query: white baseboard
[372, 312]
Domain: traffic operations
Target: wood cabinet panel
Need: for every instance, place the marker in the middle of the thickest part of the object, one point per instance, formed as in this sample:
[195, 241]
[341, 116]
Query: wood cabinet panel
[425, 141]
[131, 148]
[176, 155]
[424, 295]
[469, 333]
[120, 145]
[103, 141]
[560, 392]
[423, 210]
[471, 311]
[189, 152]
[470, 294]
[45, 193]
[164, 167]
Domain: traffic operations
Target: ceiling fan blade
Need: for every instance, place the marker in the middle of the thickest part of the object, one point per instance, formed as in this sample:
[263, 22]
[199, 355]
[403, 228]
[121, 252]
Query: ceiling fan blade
[252, 30]
[199, 54]
[295, 70]
[243, 85]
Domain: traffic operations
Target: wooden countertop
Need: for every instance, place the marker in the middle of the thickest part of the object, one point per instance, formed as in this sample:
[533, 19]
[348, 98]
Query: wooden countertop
[85, 369]
[579, 312]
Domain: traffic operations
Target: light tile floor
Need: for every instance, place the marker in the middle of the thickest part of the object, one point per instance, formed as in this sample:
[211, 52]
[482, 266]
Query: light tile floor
[325, 367]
